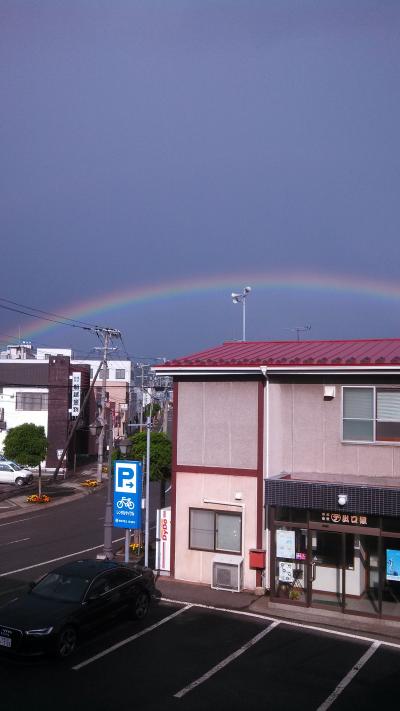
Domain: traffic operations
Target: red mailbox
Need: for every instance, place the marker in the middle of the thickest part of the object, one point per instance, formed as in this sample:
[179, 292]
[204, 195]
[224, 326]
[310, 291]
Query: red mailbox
[257, 558]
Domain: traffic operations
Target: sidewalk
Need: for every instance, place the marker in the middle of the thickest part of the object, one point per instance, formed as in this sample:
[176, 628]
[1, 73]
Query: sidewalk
[246, 601]
[64, 489]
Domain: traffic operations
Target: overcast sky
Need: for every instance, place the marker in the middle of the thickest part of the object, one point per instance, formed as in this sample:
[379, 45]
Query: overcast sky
[147, 142]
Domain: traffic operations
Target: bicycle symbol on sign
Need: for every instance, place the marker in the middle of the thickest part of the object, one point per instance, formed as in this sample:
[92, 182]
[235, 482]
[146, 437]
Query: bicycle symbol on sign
[125, 501]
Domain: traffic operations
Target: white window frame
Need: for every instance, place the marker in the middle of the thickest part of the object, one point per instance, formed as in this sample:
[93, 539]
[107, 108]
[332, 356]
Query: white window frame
[374, 388]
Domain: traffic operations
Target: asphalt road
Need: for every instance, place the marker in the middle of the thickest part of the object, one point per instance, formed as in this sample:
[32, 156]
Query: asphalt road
[40, 538]
[186, 657]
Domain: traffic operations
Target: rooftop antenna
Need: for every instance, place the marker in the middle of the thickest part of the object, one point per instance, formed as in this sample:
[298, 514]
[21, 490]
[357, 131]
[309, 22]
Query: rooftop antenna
[300, 329]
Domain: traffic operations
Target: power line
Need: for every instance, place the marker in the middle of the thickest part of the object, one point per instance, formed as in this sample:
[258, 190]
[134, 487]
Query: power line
[44, 318]
[48, 313]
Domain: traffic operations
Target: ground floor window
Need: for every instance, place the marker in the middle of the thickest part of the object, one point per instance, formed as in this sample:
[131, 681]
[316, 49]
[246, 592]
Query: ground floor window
[215, 531]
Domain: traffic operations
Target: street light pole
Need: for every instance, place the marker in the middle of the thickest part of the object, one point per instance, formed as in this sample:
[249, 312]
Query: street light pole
[147, 510]
[108, 517]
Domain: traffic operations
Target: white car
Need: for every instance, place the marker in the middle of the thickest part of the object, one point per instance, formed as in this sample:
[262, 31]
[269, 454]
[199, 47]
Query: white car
[12, 473]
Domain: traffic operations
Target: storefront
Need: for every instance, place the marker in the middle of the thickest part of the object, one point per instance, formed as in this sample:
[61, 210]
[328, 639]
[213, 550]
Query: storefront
[343, 556]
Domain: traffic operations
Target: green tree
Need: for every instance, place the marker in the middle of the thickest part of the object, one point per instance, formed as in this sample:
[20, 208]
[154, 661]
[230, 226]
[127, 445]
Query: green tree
[160, 453]
[27, 445]
[152, 409]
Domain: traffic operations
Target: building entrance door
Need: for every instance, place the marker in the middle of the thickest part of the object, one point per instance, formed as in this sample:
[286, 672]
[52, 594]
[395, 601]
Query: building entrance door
[329, 552]
[344, 572]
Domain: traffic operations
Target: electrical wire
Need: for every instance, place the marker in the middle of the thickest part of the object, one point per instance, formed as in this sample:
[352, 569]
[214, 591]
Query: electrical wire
[48, 313]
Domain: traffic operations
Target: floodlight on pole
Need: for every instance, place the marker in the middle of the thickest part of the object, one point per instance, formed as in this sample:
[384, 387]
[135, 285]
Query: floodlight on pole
[241, 298]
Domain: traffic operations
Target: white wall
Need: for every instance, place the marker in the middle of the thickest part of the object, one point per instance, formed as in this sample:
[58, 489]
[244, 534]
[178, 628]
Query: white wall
[13, 417]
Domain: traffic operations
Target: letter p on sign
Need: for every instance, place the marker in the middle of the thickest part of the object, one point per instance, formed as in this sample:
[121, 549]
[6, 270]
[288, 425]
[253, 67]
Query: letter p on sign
[125, 479]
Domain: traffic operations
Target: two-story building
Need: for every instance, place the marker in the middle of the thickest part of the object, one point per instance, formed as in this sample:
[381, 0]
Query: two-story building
[286, 471]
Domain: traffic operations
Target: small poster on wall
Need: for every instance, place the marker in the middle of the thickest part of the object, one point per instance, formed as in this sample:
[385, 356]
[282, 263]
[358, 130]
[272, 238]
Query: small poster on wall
[392, 565]
[285, 572]
[285, 544]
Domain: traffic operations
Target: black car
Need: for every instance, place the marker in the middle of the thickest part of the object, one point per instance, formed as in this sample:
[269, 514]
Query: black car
[70, 599]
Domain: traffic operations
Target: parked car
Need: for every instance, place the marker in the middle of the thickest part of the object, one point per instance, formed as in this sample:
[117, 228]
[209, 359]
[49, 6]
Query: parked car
[12, 473]
[71, 599]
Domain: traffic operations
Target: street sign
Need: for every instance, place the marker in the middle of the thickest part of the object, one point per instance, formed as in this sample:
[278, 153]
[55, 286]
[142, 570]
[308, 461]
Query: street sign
[127, 494]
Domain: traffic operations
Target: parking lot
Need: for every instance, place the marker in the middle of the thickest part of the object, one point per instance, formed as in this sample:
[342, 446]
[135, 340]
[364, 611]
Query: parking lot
[191, 657]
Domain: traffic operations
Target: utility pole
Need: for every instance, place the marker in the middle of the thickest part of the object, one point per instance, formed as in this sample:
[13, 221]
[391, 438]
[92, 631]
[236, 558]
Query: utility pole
[106, 333]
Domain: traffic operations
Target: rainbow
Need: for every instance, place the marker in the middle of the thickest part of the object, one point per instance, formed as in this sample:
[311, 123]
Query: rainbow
[288, 281]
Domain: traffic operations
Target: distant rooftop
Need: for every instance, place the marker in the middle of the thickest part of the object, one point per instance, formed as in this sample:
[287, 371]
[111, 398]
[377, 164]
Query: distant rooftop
[231, 354]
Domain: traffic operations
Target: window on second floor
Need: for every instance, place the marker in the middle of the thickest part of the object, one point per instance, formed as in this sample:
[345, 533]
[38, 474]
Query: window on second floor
[31, 401]
[371, 414]
[120, 374]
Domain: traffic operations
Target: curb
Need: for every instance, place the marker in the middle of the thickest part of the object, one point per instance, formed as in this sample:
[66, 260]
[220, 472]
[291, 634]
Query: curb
[21, 505]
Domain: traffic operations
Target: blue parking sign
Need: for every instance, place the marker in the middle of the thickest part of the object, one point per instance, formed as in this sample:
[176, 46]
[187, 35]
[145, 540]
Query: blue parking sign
[127, 507]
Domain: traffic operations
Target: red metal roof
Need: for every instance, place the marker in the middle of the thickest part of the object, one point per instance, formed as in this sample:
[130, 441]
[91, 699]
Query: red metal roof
[384, 351]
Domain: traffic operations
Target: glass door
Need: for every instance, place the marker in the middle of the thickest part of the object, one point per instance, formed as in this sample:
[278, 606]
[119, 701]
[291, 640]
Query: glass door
[328, 554]
[362, 578]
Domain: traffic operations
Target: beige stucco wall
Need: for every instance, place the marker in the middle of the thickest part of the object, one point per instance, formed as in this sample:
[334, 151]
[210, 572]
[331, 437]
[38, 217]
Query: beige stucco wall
[191, 491]
[217, 424]
[305, 436]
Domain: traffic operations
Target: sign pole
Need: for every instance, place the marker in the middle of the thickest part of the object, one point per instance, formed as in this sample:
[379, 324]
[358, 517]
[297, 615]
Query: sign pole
[127, 544]
[127, 498]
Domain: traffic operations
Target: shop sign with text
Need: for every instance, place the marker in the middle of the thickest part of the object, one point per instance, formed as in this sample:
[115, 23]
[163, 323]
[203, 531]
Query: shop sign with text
[352, 519]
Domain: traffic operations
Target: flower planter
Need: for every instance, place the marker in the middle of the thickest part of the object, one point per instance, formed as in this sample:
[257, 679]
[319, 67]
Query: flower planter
[35, 499]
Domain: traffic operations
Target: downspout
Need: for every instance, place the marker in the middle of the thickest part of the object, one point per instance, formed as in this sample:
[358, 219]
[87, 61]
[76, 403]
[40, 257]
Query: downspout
[266, 572]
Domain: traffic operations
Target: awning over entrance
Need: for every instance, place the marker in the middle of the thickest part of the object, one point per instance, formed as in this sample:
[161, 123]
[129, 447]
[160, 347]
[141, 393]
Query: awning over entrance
[300, 493]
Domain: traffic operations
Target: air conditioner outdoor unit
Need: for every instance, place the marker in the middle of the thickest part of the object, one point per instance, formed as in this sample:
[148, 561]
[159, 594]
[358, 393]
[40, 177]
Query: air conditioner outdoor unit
[227, 573]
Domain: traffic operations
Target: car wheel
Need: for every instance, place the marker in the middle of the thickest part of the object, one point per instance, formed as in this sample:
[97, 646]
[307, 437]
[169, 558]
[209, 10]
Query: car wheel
[19, 481]
[66, 642]
[140, 605]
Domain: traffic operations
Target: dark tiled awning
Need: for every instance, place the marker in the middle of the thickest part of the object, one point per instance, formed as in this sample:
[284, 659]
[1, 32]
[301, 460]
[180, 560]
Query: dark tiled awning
[373, 500]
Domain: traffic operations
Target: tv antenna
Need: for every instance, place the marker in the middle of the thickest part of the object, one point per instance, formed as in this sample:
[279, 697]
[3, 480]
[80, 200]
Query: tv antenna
[300, 329]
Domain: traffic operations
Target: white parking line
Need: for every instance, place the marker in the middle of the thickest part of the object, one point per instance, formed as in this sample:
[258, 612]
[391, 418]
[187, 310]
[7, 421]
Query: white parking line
[349, 677]
[301, 625]
[130, 639]
[54, 560]
[226, 661]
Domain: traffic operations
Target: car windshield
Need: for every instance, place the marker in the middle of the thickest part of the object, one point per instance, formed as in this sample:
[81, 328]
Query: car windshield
[15, 467]
[56, 586]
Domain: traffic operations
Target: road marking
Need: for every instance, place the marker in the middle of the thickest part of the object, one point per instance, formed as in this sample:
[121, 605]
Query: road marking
[301, 625]
[19, 520]
[225, 661]
[349, 677]
[19, 540]
[54, 560]
[130, 639]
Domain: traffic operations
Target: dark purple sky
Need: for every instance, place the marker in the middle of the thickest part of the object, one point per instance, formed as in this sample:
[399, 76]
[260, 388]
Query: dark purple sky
[145, 142]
